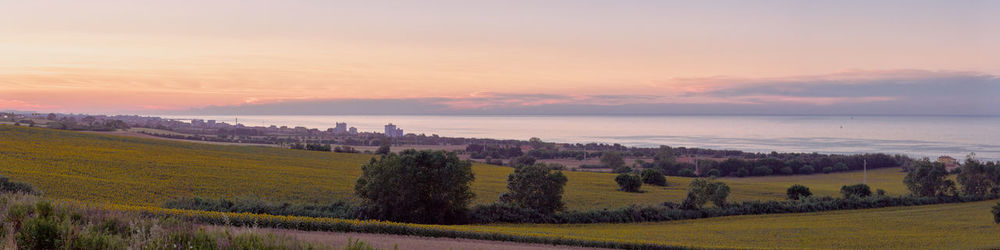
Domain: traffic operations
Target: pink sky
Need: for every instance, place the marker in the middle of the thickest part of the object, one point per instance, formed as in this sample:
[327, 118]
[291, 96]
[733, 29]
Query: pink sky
[121, 56]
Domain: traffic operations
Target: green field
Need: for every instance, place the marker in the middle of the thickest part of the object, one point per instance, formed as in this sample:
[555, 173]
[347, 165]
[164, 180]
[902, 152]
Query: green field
[945, 226]
[139, 171]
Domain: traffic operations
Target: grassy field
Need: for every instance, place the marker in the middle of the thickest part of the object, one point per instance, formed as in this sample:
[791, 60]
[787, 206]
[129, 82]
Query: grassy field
[946, 226]
[140, 171]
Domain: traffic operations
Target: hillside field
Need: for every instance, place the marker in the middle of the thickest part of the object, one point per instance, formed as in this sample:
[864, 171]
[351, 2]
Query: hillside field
[944, 226]
[141, 171]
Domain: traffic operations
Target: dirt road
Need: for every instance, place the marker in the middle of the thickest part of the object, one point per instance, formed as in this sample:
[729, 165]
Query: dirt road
[388, 241]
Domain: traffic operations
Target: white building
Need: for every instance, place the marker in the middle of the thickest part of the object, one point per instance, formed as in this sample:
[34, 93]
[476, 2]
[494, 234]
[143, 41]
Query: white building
[340, 128]
[392, 131]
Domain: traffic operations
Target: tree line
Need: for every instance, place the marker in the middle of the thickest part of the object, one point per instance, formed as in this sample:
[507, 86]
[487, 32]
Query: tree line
[434, 187]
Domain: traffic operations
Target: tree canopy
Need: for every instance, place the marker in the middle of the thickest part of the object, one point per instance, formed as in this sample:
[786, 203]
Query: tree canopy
[929, 179]
[417, 186]
[538, 187]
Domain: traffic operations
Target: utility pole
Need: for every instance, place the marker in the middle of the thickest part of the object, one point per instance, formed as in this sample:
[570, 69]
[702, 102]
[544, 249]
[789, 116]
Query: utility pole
[866, 172]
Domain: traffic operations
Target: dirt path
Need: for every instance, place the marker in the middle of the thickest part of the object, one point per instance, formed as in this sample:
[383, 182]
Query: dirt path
[389, 241]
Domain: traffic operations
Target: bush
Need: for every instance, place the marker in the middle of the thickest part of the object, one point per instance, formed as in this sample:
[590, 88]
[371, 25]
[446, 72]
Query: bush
[797, 192]
[39, 233]
[996, 213]
[856, 191]
[703, 190]
[762, 171]
[807, 170]
[537, 187]
[417, 186]
[880, 192]
[338, 209]
[786, 171]
[8, 186]
[653, 177]
[628, 182]
[827, 170]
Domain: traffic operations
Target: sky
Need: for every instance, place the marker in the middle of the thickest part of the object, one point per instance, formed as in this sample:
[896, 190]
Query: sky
[501, 57]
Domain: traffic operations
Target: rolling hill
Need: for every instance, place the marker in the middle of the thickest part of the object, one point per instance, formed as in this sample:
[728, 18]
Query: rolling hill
[141, 171]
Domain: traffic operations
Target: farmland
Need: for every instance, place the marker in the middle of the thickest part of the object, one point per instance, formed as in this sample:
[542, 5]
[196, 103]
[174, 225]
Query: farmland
[141, 171]
[945, 226]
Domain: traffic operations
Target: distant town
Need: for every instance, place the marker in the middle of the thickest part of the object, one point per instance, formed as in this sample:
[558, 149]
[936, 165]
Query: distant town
[599, 157]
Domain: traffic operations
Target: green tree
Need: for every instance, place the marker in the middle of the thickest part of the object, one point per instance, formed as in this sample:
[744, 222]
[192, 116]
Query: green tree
[417, 186]
[978, 178]
[538, 187]
[653, 177]
[612, 159]
[797, 191]
[704, 190]
[929, 179]
[628, 182]
[856, 191]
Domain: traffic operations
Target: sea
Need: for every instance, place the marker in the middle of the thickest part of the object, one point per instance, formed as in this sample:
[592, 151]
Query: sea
[916, 136]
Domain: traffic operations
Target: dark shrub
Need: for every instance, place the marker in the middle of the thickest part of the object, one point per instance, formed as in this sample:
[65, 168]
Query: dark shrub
[996, 213]
[417, 186]
[338, 209]
[807, 170]
[796, 192]
[762, 171]
[653, 177]
[536, 187]
[628, 182]
[856, 191]
[39, 233]
[8, 186]
[703, 190]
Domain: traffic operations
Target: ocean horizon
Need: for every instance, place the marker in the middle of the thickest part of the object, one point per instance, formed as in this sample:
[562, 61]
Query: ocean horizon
[913, 135]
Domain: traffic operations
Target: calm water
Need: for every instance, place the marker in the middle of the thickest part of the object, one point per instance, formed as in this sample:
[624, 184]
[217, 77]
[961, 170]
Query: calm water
[930, 136]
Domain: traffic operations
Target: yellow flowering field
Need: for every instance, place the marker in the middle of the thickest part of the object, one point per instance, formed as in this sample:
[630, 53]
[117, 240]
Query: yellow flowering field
[945, 226]
[140, 171]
